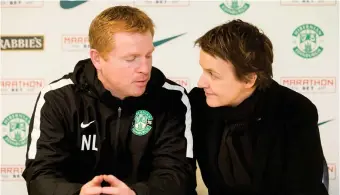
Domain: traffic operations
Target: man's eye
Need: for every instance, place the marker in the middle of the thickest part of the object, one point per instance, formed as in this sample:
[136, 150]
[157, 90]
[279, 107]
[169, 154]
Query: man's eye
[130, 59]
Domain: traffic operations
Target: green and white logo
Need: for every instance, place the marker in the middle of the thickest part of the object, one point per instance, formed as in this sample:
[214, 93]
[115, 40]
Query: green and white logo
[142, 123]
[69, 4]
[15, 129]
[234, 7]
[308, 40]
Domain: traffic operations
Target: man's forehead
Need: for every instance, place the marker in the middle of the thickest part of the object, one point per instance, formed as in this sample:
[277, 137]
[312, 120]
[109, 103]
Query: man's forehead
[133, 49]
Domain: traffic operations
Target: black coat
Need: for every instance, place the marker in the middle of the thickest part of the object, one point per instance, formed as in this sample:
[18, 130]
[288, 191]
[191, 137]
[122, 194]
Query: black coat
[140, 140]
[287, 156]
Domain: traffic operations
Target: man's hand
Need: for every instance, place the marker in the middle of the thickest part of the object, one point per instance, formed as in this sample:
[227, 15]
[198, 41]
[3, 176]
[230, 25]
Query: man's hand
[117, 187]
[92, 187]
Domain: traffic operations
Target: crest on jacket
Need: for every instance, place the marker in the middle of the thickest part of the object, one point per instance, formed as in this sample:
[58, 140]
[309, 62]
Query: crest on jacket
[142, 123]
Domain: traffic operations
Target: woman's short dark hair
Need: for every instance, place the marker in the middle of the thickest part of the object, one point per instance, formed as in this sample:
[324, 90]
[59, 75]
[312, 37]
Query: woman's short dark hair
[243, 45]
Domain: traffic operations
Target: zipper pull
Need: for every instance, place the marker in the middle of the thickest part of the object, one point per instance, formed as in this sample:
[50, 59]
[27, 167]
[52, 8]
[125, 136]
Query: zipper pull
[119, 112]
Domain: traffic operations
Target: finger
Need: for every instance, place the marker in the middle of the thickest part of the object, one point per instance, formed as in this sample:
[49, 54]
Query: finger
[93, 191]
[96, 181]
[110, 190]
[113, 181]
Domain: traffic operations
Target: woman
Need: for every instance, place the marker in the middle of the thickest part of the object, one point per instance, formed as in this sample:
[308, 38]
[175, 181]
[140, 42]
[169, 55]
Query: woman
[251, 135]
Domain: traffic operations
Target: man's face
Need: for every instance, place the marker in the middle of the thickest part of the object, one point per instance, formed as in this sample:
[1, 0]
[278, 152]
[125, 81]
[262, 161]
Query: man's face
[220, 84]
[127, 69]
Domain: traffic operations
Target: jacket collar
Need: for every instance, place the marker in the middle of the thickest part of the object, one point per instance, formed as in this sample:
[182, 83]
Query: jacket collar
[251, 108]
[85, 77]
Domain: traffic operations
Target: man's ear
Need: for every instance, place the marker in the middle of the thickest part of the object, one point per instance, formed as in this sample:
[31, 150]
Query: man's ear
[250, 80]
[96, 59]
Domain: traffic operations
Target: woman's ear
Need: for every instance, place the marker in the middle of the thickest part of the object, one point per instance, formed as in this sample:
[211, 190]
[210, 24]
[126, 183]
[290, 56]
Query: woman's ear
[250, 80]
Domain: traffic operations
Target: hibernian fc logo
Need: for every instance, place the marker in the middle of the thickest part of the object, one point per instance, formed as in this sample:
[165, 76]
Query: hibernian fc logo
[15, 129]
[234, 7]
[142, 123]
[308, 41]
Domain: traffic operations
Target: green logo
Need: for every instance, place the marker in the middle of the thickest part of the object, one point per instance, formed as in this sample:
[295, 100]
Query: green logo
[308, 39]
[234, 7]
[15, 129]
[69, 4]
[142, 123]
[162, 41]
[324, 122]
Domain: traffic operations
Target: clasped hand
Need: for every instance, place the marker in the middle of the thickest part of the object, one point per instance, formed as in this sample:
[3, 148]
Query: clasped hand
[116, 187]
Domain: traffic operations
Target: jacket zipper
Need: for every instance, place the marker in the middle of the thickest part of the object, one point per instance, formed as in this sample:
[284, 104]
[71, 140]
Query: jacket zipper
[117, 126]
[117, 136]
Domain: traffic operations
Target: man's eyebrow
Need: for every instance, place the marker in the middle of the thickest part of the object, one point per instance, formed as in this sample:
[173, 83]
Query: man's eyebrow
[137, 54]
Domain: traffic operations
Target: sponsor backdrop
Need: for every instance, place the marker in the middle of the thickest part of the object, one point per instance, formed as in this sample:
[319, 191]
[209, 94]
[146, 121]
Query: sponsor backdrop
[42, 40]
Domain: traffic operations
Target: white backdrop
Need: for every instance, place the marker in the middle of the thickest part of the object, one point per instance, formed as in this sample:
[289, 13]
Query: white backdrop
[42, 40]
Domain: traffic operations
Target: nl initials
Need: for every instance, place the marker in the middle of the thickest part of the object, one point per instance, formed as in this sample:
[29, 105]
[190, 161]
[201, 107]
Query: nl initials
[86, 142]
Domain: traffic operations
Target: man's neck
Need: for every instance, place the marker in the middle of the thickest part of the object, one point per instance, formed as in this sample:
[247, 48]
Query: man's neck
[107, 86]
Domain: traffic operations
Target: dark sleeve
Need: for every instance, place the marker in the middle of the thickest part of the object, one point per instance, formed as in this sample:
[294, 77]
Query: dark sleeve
[304, 154]
[173, 172]
[198, 102]
[47, 152]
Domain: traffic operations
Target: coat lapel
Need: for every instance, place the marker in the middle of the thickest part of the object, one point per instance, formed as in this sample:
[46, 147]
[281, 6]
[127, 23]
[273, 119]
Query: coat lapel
[264, 125]
[264, 141]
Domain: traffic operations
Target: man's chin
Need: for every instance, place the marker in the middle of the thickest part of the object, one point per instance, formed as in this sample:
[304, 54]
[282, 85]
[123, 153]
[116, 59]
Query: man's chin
[138, 92]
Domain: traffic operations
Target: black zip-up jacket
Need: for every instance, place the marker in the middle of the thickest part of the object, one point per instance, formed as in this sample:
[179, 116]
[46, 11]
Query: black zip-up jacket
[79, 130]
[268, 145]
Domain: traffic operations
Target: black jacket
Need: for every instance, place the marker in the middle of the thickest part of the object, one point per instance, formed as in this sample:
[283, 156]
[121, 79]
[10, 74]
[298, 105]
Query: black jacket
[268, 145]
[79, 130]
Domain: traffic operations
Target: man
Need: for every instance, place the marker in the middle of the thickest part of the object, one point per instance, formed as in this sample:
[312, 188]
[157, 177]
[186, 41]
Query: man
[115, 125]
[252, 136]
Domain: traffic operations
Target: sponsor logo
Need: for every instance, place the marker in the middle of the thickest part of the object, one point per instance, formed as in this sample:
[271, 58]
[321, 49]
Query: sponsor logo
[162, 41]
[15, 129]
[142, 123]
[307, 39]
[75, 42]
[21, 4]
[324, 122]
[81, 42]
[12, 172]
[69, 4]
[21, 86]
[24, 43]
[308, 2]
[84, 125]
[332, 171]
[162, 3]
[234, 7]
[184, 82]
[310, 84]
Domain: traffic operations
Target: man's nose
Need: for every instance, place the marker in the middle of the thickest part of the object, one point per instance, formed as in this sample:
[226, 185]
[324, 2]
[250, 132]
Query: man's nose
[145, 66]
